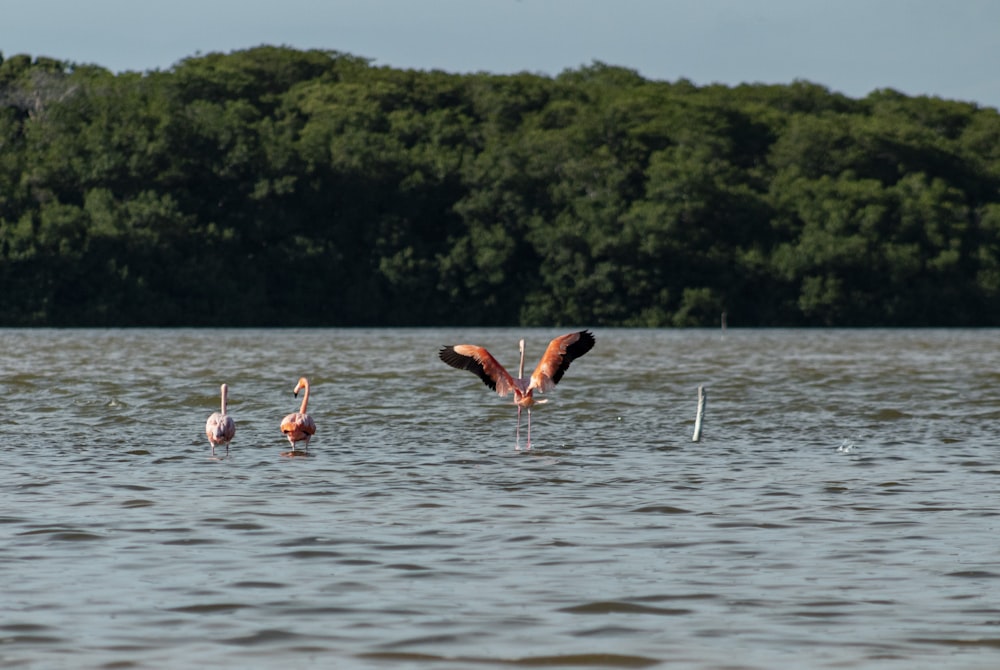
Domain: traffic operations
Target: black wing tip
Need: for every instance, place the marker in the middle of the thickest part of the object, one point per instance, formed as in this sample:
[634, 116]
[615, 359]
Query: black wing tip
[460, 362]
[584, 344]
[452, 357]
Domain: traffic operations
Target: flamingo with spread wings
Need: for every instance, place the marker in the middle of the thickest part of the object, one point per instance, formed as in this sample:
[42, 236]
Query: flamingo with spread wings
[220, 427]
[299, 426]
[558, 355]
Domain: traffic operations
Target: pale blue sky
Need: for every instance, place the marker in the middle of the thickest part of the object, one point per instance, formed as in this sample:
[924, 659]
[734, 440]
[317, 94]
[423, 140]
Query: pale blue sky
[919, 47]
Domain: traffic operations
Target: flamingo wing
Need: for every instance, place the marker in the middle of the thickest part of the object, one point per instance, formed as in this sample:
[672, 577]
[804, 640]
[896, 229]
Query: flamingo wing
[212, 426]
[480, 362]
[308, 425]
[228, 428]
[298, 423]
[220, 428]
[561, 351]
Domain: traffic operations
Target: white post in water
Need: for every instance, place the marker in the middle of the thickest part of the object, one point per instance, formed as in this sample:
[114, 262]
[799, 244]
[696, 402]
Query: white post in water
[701, 413]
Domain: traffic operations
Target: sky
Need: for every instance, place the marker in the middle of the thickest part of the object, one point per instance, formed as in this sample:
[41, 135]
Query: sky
[949, 49]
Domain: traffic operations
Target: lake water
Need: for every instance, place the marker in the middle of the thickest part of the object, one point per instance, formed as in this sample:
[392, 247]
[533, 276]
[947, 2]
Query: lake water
[840, 511]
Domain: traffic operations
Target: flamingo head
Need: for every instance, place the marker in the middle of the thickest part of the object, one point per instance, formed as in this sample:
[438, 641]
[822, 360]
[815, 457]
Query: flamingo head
[303, 384]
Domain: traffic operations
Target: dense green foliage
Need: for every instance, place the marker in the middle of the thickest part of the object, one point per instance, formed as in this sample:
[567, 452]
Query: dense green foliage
[281, 187]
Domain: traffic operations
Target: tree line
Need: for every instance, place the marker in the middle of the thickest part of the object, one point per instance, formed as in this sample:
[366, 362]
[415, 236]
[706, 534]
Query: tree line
[280, 187]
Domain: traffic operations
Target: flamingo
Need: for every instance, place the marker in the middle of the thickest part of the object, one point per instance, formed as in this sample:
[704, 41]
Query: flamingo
[220, 427]
[561, 351]
[299, 426]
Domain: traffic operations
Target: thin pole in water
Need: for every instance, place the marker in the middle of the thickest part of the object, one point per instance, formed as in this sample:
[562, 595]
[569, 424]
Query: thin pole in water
[702, 393]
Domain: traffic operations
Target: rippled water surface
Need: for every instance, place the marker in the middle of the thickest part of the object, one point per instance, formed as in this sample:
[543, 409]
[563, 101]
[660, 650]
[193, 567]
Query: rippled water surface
[840, 511]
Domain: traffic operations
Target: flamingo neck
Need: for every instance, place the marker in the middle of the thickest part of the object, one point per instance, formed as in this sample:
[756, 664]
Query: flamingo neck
[225, 396]
[305, 399]
[520, 367]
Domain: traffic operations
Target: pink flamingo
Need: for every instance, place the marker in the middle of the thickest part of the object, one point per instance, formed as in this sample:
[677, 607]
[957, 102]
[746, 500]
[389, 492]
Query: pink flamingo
[220, 427]
[299, 426]
[558, 355]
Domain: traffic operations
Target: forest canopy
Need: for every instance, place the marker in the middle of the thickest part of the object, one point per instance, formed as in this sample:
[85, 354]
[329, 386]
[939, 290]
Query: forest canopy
[280, 187]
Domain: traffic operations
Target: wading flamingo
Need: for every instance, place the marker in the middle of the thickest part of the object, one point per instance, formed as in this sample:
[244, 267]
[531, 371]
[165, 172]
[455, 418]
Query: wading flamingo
[299, 426]
[560, 353]
[220, 427]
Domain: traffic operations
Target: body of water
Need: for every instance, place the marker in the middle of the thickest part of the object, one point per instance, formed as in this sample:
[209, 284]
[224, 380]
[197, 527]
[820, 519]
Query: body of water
[840, 511]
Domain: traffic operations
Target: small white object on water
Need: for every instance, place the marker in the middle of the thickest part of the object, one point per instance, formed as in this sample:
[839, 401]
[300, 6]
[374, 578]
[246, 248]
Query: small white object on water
[701, 413]
[846, 447]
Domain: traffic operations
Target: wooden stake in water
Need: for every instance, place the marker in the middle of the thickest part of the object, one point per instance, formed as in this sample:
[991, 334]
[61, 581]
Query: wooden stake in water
[701, 413]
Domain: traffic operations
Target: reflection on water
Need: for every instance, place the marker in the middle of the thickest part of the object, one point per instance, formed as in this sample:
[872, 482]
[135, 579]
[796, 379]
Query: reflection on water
[839, 511]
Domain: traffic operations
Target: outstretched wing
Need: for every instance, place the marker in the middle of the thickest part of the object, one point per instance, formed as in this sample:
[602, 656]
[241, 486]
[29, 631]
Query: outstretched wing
[480, 362]
[558, 355]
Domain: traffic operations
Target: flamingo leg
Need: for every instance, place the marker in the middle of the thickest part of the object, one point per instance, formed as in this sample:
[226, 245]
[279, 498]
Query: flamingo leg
[517, 433]
[529, 430]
